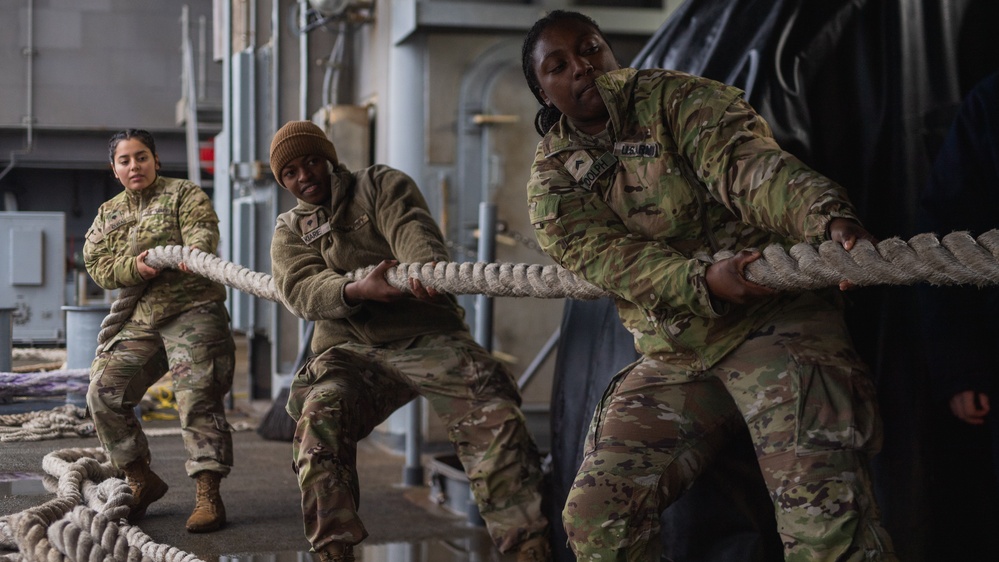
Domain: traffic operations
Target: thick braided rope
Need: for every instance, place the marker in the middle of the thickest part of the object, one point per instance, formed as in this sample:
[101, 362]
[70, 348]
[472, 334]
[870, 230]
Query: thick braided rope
[549, 281]
[85, 521]
[955, 259]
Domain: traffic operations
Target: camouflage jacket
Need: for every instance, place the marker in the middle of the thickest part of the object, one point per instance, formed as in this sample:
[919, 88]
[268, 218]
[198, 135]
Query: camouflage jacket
[168, 212]
[376, 214]
[684, 169]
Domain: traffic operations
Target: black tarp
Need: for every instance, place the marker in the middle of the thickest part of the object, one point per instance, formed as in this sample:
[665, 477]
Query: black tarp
[863, 91]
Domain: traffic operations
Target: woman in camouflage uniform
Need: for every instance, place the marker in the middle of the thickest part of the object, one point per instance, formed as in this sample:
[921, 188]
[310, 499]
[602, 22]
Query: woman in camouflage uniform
[180, 324]
[377, 348]
[640, 177]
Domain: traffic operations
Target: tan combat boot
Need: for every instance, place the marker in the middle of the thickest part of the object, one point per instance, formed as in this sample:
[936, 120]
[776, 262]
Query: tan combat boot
[209, 513]
[535, 549]
[337, 552]
[146, 487]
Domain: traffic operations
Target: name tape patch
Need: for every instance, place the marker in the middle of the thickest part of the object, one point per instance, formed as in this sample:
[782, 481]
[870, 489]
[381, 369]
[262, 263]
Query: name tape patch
[313, 234]
[641, 149]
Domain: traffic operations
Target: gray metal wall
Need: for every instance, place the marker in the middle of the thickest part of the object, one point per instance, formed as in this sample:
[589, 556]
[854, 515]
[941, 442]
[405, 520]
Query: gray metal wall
[106, 64]
[74, 70]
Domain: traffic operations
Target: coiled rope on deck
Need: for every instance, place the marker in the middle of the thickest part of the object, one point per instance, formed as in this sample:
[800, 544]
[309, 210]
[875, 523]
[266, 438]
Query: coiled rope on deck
[62, 421]
[85, 521]
[955, 259]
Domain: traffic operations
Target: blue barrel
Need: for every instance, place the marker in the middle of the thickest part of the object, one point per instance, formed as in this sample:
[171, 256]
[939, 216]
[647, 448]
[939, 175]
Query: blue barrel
[83, 324]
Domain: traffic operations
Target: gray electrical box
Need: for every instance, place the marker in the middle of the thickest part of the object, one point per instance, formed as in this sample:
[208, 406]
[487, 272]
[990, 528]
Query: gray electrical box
[33, 274]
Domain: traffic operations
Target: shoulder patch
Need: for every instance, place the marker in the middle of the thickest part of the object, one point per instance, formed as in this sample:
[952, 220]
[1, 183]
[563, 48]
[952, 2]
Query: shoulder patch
[311, 229]
[308, 223]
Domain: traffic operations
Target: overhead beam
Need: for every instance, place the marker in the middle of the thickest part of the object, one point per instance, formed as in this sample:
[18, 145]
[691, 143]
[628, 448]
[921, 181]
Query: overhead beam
[410, 16]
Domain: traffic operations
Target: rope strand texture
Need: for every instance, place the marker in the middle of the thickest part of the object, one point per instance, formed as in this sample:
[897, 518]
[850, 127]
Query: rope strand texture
[85, 521]
[955, 259]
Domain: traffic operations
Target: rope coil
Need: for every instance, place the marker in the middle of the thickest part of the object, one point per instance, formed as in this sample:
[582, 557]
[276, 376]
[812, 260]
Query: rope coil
[86, 519]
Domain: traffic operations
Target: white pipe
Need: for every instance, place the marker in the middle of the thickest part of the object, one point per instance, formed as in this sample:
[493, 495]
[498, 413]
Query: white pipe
[251, 42]
[202, 54]
[303, 60]
[275, 66]
[191, 107]
[406, 145]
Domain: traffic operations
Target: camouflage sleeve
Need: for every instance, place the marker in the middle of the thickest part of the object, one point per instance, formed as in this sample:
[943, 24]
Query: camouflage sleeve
[733, 152]
[309, 288]
[111, 268]
[402, 216]
[579, 231]
[199, 225]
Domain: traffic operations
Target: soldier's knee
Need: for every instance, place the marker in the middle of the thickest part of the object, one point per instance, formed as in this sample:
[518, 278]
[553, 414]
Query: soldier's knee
[95, 401]
[102, 395]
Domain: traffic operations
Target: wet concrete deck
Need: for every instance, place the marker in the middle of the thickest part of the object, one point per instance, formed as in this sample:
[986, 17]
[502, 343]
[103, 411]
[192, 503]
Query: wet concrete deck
[262, 501]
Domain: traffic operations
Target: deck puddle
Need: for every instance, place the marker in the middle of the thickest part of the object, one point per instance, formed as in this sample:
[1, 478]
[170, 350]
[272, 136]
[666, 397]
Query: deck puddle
[458, 550]
[21, 484]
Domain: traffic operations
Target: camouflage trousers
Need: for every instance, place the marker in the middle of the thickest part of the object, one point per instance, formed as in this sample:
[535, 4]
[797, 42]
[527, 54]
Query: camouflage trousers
[197, 348]
[342, 394]
[812, 414]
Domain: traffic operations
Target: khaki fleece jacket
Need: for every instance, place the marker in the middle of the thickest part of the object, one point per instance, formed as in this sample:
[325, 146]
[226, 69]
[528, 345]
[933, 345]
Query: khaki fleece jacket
[375, 214]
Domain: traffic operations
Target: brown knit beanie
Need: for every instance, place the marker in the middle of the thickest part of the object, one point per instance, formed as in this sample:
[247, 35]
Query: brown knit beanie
[297, 139]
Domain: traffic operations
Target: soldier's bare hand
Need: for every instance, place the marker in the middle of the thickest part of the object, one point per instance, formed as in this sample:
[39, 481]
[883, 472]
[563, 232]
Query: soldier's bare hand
[146, 272]
[374, 286]
[970, 406]
[727, 279]
[183, 265]
[847, 232]
[421, 291]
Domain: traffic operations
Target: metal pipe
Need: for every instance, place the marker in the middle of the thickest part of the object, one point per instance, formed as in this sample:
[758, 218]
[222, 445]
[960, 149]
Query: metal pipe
[540, 358]
[251, 45]
[487, 253]
[222, 195]
[202, 54]
[275, 66]
[30, 53]
[190, 97]
[331, 78]
[412, 473]
[406, 153]
[303, 60]
[6, 339]
[29, 119]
